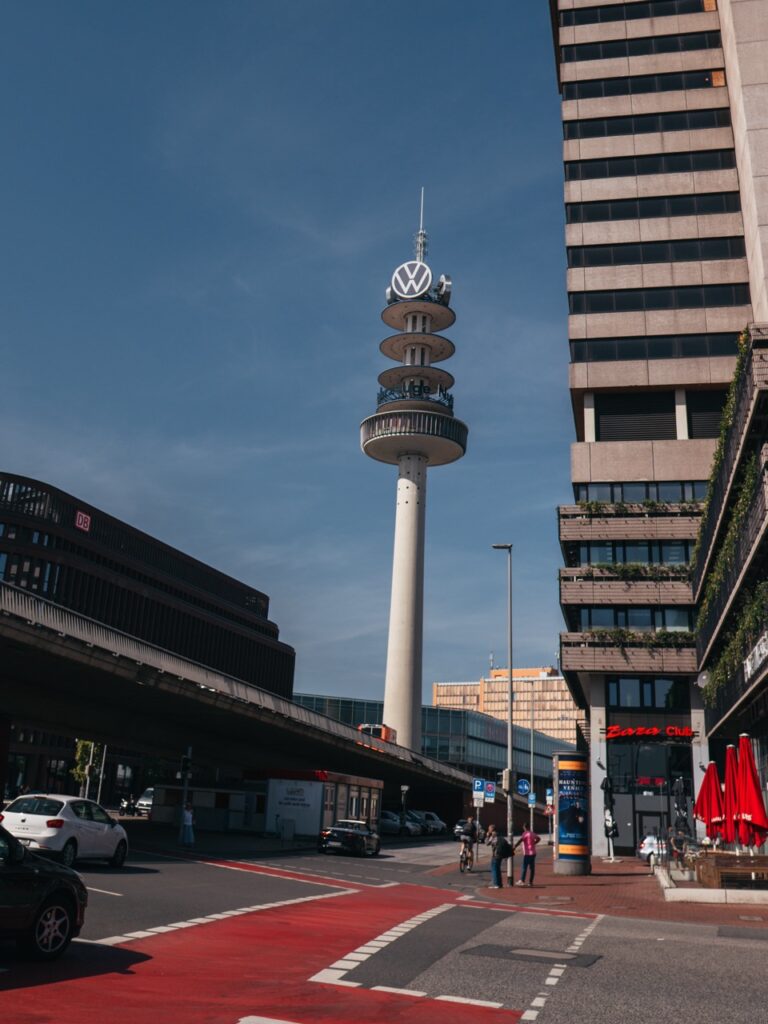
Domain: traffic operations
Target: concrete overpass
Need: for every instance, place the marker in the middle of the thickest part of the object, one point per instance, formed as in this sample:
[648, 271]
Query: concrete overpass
[74, 675]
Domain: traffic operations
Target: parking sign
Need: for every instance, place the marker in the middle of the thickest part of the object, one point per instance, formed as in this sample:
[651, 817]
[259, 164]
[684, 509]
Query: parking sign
[478, 785]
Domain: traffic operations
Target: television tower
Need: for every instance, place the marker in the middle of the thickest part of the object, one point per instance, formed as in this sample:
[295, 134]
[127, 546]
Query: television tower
[413, 428]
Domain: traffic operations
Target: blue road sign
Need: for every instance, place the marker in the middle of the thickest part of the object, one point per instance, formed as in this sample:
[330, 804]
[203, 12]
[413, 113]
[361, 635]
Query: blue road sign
[523, 787]
[478, 785]
[531, 799]
[490, 792]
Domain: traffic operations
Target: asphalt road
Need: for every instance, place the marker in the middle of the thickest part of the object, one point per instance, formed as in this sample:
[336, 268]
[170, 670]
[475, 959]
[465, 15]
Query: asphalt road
[308, 938]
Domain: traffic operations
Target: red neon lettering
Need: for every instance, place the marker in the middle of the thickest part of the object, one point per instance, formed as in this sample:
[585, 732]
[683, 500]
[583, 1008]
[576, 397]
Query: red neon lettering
[615, 732]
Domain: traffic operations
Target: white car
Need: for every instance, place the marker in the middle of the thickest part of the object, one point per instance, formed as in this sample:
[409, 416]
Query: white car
[145, 801]
[67, 826]
[393, 824]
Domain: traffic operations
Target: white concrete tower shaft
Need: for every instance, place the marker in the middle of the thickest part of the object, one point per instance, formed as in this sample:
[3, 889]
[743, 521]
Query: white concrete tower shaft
[402, 686]
[413, 428]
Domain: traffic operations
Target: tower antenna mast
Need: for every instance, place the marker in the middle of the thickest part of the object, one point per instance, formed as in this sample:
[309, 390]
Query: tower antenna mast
[421, 234]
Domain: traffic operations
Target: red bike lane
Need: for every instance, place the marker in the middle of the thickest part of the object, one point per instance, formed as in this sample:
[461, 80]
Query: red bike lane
[256, 965]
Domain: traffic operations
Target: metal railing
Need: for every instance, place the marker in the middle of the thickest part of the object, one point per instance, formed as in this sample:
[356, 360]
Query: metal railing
[754, 377]
[416, 392]
[402, 422]
[38, 612]
[754, 525]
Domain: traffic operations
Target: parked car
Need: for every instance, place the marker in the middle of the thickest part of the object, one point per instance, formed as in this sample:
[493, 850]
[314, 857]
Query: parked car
[42, 904]
[413, 817]
[66, 826]
[348, 836]
[650, 847]
[393, 824]
[144, 803]
[436, 825]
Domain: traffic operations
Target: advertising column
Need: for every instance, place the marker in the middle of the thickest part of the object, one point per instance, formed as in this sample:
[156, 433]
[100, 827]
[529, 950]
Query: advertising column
[571, 785]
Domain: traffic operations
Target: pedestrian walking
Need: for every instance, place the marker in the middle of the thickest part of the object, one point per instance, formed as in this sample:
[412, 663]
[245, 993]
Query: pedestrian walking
[187, 826]
[529, 841]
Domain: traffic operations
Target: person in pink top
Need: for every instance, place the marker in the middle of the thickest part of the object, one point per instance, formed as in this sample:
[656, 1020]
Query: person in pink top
[528, 840]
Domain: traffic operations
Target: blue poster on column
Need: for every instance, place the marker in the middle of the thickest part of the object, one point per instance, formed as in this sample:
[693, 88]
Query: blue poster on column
[572, 788]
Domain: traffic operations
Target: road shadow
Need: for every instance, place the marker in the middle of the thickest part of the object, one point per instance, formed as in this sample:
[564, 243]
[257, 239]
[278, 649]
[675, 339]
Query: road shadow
[81, 960]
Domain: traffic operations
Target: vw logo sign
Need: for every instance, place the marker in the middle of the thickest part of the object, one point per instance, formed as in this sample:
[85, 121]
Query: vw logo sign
[411, 280]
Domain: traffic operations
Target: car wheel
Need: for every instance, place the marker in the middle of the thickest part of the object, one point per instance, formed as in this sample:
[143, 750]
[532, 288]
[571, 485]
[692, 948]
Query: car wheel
[118, 857]
[376, 850]
[69, 853]
[51, 930]
[403, 832]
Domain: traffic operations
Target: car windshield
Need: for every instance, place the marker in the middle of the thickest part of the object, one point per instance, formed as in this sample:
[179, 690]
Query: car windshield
[355, 825]
[147, 795]
[35, 805]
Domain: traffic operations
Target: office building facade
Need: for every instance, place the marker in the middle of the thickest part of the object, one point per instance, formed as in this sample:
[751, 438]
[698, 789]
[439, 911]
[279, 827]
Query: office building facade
[665, 159]
[540, 696]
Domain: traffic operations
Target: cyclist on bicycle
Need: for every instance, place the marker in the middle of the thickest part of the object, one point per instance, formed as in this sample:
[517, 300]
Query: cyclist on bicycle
[468, 840]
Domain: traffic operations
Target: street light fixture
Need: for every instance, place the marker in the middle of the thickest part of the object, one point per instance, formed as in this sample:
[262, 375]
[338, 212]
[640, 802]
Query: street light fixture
[510, 709]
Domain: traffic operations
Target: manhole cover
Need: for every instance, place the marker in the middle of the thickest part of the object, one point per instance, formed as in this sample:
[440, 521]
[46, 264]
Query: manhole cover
[536, 956]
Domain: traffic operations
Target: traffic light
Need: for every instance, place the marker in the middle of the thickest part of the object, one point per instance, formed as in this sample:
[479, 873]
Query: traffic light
[186, 766]
[506, 779]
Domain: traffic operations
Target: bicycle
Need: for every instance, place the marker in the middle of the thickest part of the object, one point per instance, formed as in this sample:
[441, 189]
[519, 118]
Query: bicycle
[466, 857]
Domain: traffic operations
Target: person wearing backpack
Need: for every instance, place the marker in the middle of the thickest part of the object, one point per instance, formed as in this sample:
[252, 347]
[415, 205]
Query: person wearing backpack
[500, 850]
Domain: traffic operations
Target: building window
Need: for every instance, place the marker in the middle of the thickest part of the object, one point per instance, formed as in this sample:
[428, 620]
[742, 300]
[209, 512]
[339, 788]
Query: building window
[663, 490]
[644, 124]
[655, 163]
[704, 411]
[631, 12]
[632, 300]
[662, 346]
[634, 85]
[642, 47]
[642, 620]
[680, 250]
[648, 692]
[635, 417]
[654, 206]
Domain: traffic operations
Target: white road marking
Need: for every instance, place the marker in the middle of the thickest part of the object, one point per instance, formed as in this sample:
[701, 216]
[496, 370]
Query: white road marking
[116, 940]
[107, 892]
[346, 964]
[397, 991]
[469, 1002]
[263, 1020]
[558, 970]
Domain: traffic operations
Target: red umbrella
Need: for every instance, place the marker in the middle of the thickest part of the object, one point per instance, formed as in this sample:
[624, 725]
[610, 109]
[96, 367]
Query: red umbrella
[709, 803]
[750, 807]
[729, 798]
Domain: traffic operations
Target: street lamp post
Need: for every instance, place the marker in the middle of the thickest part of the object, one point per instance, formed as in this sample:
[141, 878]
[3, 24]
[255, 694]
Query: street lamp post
[510, 711]
[533, 788]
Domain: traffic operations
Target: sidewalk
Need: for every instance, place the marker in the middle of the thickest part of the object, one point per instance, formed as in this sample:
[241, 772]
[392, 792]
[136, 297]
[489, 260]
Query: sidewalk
[148, 835]
[625, 888]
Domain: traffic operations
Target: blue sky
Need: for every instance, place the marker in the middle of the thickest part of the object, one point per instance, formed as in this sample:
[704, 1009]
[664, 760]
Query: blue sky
[202, 204]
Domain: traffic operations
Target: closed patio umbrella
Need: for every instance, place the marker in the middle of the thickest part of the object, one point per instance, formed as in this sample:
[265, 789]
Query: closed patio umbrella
[708, 806]
[750, 808]
[729, 797]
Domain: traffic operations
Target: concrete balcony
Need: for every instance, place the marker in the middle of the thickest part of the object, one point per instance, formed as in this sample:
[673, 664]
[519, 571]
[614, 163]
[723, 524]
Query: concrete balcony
[750, 410]
[594, 652]
[651, 521]
[590, 586]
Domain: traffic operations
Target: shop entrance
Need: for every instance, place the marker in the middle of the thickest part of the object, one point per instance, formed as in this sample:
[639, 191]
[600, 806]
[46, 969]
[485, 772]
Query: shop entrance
[649, 823]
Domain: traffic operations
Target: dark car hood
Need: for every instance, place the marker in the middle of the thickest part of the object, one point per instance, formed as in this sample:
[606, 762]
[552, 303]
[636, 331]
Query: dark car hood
[45, 866]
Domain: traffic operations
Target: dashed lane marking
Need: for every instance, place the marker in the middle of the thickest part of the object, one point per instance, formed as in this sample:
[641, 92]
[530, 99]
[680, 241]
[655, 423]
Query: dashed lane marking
[106, 892]
[116, 940]
[558, 970]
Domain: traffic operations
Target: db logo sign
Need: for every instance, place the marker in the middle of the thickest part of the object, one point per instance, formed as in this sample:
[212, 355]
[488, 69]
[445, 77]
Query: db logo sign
[83, 521]
[411, 280]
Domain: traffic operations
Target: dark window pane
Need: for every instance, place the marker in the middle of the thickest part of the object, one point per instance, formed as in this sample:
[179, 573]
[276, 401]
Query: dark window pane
[628, 301]
[633, 348]
[629, 693]
[627, 254]
[669, 490]
[676, 163]
[673, 552]
[661, 348]
[654, 207]
[634, 492]
[687, 249]
[653, 252]
[639, 618]
[660, 298]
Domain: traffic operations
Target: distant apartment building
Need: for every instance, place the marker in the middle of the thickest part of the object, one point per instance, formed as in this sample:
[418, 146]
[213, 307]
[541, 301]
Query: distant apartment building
[666, 162]
[540, 695]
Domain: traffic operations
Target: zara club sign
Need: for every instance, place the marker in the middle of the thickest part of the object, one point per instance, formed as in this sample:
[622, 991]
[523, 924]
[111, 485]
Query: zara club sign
[678, 732]
[411, 280]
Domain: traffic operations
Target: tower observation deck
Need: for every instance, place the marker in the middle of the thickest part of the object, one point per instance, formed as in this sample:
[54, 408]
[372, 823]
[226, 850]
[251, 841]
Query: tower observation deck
[413, 427]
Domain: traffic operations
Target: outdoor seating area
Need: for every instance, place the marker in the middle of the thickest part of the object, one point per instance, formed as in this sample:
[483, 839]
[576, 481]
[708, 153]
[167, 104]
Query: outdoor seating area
[731, 871]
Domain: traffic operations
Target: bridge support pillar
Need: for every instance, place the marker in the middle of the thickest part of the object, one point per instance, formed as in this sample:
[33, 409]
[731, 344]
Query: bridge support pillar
[5, 753]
